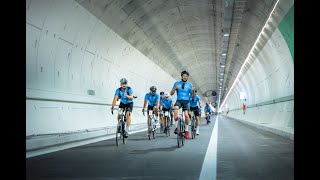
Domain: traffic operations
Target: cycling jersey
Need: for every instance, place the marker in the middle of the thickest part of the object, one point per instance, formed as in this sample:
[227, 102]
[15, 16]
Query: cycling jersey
[207, 109]
[183, 93]
[151, 98]
[120, 93]
[162, 99]
[167, 103]
[194, 101]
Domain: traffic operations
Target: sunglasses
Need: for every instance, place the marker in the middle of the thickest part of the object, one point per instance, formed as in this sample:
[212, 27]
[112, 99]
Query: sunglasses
[153, 91]
[183, 85]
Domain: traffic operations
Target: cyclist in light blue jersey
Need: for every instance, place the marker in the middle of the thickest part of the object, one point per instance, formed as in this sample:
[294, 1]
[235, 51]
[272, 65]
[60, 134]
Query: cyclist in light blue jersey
[194, 101]
[166, 105]
[184, 89]
[125, 94]
[152, 99]
[207, 109]
[162, 98]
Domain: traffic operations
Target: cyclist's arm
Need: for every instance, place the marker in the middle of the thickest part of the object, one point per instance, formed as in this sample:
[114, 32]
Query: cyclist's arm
[200, 104]
[114, 102]
[172, 91]
[157, 103]
[129, 96]
[160, 107]
[145, 104]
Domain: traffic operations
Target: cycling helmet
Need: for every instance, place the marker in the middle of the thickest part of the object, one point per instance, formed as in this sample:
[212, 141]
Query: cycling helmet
[184, 72]
[161, 93]
[166, 94]
[123, 81]
[153, 88]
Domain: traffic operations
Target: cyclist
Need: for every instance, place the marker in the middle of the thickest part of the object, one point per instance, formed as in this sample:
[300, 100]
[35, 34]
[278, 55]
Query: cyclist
[207, 109]
[152, 99]
[165, 105]
[194, 101]
[125, 94]
[161, 99]
[184, 89]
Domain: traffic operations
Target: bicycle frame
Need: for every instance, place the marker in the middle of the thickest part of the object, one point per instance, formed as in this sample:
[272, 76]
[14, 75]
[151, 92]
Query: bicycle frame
[181, 128]
[193, 124]
[121, 126]
[168, 121]
[151, 124]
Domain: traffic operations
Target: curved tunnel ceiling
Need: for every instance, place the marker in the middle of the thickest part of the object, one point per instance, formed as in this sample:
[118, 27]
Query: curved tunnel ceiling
[189, 34]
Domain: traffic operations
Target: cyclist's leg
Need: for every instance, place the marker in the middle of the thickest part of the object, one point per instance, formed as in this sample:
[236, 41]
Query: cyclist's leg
[130, 106]
[148, 117]
[177, 105]
[185, 108]
[155, 111]
[198, 123]
[162, 116]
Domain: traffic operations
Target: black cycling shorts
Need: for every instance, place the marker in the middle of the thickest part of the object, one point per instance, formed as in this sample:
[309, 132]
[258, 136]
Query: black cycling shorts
[129, 106]
[182, 103]
[195, 110]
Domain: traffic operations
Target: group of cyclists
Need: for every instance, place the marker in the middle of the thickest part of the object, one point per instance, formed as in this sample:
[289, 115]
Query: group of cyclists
[187, 99]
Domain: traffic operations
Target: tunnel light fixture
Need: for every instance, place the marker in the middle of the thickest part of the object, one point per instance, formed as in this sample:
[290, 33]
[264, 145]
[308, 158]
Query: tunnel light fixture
[224, 54]
[226, 35]
[247, 58]
[221, 74]
[223, 66]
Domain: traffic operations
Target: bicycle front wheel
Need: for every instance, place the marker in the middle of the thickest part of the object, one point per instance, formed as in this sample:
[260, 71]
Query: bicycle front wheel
[194, 129]
[118, 134]
[182, 132]
[167, 126]
[179, 134]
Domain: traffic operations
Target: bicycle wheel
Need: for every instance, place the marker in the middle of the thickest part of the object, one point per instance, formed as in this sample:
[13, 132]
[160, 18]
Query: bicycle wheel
[118, 134]
[193, 131]
[179, 134]
[124, 139]
[167, 126]
[182, 133]
[154, 131]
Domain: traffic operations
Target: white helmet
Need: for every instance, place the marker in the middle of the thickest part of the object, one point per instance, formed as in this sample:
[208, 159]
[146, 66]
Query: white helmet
[166, 94]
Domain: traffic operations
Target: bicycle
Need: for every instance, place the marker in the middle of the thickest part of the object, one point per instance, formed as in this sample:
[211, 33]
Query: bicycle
[120, 132]
[208, 118]
[168, 123]
[181, 129]
[152, 127]
[193, 124]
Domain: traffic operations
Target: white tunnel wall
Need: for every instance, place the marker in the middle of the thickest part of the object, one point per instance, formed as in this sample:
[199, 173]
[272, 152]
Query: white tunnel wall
[69, 51]
[270, 77]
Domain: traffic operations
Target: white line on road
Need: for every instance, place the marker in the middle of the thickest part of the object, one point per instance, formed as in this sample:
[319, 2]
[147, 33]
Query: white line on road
[209, 166]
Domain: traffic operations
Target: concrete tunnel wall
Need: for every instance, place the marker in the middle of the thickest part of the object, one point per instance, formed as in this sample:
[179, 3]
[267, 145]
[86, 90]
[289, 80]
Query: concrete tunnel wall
[269, 85]
[69, 51]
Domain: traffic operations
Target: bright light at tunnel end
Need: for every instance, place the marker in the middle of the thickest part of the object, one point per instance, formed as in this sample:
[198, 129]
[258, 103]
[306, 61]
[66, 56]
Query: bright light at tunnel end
[247, 58]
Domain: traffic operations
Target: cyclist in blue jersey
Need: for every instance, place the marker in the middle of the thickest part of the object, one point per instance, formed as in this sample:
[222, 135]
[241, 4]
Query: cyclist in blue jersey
[125, 94]
[207, 109]
[184, 89]
[194, 101]
[161, 99]
[166, 105]
[152, 99]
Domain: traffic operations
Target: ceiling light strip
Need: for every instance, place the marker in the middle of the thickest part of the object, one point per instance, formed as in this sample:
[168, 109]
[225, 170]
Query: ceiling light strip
[243, 65]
